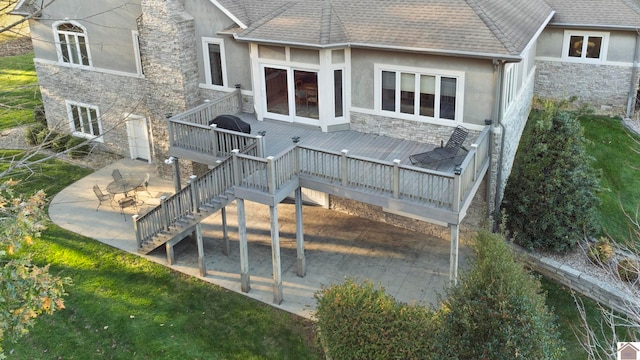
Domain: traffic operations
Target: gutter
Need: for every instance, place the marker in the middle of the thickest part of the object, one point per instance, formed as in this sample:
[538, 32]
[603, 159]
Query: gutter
[633, 85]
[594, 26]
[469, 54]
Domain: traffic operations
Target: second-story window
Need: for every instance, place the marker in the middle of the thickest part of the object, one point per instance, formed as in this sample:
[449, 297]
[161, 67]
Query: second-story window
[72, 44]
[214, 62]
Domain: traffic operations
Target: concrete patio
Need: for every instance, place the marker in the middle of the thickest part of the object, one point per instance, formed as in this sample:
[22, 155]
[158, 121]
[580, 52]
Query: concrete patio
[411, 266]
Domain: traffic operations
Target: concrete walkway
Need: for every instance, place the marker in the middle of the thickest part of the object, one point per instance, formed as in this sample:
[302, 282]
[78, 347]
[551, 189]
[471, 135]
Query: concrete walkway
[411, 266]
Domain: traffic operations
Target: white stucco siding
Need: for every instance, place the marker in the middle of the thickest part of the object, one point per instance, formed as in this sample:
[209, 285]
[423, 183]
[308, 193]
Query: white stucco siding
[109, 29]
[479, 88]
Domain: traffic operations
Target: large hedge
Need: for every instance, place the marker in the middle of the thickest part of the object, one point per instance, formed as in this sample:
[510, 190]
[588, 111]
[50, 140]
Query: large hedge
[496, 311]
[550, 197]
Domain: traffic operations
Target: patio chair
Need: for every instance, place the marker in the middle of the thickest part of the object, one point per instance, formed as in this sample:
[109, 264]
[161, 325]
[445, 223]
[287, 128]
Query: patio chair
[128, 201]
[102, 196]
[144, 186]
[116, 175]
[446, 152]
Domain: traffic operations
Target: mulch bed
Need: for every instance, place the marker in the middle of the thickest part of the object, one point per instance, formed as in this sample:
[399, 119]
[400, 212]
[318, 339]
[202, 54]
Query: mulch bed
[17, 46]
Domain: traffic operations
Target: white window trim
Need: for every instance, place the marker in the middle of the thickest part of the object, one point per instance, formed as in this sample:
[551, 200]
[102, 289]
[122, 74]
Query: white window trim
[603, 46]
[512, 84]
[76, 133]
[207, 70]
[56, 36]
[136, 51]
[459, 75]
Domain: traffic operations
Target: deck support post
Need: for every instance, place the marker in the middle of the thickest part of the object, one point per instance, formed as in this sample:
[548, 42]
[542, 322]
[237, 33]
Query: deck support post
[453, 260]
[225, 232]
[171, 256]
[244, 251]
[275, 255]
[301, 268]
[199, 242]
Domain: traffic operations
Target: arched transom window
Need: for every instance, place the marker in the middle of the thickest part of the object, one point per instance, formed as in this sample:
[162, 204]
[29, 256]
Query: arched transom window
[72, 44]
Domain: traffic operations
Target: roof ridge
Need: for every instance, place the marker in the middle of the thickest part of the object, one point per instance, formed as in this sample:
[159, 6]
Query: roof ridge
[633, 5]
[326, 25]
[499, 34]
[263, 20]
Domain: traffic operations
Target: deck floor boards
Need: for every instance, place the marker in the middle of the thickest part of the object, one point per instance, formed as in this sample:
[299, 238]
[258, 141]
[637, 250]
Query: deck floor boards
[279, 136]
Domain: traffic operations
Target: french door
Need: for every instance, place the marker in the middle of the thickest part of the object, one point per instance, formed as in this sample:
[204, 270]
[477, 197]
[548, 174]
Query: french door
[291, 94]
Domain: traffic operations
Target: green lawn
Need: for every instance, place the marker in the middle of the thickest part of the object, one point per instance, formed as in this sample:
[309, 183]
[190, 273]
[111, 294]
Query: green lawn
[121, 306]
[19, 91]
[612, 147]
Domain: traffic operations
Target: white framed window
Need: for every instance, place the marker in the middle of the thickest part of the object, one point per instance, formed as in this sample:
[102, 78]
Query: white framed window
[71, 43]
[136, 52]
[511, 83]
[84, 120]
[585, 46]
[420, 93]
[215, 67]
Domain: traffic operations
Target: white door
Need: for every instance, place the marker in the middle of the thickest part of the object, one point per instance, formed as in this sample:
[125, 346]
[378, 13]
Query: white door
[138, 138]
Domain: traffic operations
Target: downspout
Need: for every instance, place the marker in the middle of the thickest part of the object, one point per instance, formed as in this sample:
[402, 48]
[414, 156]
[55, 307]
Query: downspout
[633, 86]
[498, 65]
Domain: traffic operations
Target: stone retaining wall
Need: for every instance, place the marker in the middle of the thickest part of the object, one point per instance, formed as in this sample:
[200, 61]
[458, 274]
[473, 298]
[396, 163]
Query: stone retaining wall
[578, 281]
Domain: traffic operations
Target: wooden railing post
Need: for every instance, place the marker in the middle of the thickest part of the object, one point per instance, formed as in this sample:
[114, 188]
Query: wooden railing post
[457, 191]
[214, 138]
[476, 158]
[137, 230]
[235, 162]
[171, 132]
[344, 167]
[396, 178]
[271, 175]
[260, 146]
[195, 196]
[238, 89]
[164, 213]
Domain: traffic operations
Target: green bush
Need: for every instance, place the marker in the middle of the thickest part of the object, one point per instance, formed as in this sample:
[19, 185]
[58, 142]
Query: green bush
[601, 252]
[32, 132]
[359, 321]
[497, 311]
[45, 138]
[59, 143]
[77, 147]
[628, 270]
[550, 197]
[39, 115]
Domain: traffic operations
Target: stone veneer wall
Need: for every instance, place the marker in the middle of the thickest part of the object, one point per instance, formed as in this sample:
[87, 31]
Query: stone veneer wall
[508, 136]
[114, 95]
[605, 87]
[169, 61]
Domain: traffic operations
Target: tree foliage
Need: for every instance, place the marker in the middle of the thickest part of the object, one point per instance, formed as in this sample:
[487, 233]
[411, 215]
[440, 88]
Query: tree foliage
[26, 290]
[550, 197]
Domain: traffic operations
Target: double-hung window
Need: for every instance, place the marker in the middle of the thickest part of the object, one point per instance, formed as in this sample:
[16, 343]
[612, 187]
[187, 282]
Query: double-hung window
[215, 68]
[71, 43]
[585, 46]
[420, 94]
[84, 120]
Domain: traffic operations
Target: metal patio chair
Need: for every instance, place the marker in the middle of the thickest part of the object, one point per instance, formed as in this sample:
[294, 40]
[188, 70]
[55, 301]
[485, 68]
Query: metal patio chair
[102, 196]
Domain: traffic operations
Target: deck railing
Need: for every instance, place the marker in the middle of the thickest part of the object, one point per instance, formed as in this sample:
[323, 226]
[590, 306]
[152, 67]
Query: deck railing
[268, 175]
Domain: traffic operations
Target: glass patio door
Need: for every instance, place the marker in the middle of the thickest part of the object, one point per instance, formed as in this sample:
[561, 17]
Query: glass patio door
[291, 95]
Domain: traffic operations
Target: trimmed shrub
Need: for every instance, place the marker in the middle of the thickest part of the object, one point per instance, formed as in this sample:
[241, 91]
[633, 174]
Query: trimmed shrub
[628, 270]
[45, 138]
[32, 132]
[550, 197]
[39, 115]
[77, 147]
[497, 311]
[601, 252]
[359, 321]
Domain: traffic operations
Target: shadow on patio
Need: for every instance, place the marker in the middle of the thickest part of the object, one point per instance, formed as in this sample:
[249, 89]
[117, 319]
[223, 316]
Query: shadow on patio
[413, 267]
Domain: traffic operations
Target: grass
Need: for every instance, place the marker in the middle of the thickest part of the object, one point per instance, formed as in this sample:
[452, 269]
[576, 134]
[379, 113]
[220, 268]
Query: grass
[19, 91]
[613, 146]
[121, 306]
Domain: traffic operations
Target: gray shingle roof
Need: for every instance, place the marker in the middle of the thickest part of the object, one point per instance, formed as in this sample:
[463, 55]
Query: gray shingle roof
[480, 27]
[596, 13]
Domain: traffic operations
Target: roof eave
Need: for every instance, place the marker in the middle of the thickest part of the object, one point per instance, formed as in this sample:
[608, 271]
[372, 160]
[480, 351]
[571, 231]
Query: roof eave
[595, 26]
[231, 16]
[456, 53]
